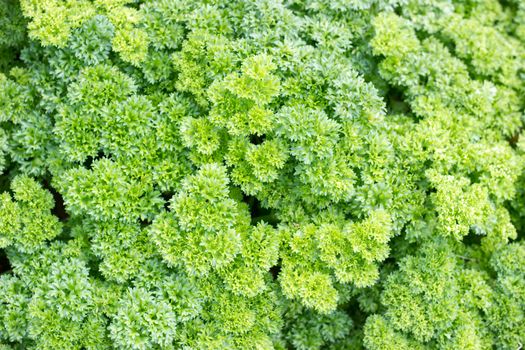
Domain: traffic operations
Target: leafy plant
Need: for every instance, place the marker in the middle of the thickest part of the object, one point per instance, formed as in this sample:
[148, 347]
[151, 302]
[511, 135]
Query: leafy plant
[269, 174]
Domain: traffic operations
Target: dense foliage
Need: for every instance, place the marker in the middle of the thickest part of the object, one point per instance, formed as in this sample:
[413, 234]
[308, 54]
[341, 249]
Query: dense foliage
[262, 174]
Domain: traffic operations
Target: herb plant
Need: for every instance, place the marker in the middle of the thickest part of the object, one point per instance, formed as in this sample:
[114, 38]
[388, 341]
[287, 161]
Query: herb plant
[262, 174]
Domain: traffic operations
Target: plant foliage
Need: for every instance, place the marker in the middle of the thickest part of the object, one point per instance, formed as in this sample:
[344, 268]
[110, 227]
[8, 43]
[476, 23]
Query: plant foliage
[262, 174]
